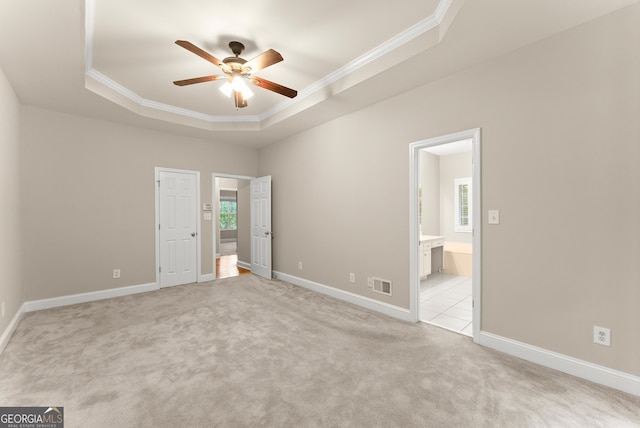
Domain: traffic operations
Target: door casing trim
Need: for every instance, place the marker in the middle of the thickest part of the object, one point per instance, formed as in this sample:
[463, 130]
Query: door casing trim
[414, 241]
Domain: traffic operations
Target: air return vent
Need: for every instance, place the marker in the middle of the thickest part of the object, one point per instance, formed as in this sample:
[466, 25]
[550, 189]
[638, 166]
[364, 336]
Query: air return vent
[382, 286]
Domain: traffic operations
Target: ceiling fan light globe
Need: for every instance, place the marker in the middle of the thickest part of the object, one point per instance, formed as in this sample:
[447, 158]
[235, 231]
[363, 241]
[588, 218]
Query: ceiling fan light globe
[237, 83]
[226, 89]
[246, 93]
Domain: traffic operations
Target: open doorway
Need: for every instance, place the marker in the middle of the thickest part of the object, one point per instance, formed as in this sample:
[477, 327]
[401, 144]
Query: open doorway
[445, 230]
[231, 220]
[446, 224]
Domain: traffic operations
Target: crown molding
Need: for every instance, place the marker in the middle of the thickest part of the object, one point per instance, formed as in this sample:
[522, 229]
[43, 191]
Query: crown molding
[103, 85]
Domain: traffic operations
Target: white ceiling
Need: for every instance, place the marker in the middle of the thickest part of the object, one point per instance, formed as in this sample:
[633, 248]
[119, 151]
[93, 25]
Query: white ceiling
[116, 59]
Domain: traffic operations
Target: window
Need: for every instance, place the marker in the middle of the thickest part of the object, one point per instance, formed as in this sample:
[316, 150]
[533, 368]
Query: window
[228, 215]
[463, 195]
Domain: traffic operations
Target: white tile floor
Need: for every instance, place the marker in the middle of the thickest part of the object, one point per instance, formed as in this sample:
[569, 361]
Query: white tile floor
[445, 301]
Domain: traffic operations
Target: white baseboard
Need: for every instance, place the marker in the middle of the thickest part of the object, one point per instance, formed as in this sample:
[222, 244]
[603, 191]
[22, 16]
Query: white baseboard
[599, 374]
[244, 265]
[356, 299]
[8, 332]
[207, 277]
[54, 302]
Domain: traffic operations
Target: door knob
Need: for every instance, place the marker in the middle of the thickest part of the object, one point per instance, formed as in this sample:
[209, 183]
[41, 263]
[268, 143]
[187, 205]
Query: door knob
[267, 233]
[193, 234]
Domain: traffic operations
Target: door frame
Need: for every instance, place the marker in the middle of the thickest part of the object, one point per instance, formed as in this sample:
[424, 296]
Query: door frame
[158, 170]
[414, 241]
[214, 229]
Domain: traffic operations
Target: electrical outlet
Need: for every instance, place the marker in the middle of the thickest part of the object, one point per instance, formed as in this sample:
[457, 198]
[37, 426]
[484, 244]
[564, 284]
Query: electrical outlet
[352, 277]
[116, 273]
[370, 282]
[299, 265]
[601, 335]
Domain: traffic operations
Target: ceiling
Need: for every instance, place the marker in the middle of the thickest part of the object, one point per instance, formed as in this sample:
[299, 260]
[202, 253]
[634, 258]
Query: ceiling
[116, 59]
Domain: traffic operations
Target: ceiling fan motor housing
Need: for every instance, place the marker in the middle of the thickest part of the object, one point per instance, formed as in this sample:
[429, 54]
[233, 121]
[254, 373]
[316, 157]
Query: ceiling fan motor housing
[236, 47]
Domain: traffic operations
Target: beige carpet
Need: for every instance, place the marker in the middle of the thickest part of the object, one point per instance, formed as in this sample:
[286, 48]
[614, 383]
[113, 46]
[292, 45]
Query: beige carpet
[245, 352]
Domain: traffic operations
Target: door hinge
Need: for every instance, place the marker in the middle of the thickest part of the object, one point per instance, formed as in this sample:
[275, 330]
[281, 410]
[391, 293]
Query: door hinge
[160, 269]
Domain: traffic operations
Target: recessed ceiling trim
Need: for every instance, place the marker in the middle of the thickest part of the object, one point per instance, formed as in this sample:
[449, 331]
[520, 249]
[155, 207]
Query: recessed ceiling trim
[441, 10]
[143, 102]
[430, 23]
[395, 42]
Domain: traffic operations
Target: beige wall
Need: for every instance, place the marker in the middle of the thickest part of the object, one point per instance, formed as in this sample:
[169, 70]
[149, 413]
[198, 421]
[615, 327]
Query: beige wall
[430, 183]
[10, 237]
[452, 167]
[559, 131]
[560, 135]
[88, 199]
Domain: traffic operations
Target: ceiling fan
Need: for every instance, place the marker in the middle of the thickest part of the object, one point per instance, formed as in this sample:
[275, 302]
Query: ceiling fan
[238, 70]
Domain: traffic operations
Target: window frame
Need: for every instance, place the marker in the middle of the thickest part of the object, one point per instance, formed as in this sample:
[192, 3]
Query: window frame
[228, 213]
[458, 227]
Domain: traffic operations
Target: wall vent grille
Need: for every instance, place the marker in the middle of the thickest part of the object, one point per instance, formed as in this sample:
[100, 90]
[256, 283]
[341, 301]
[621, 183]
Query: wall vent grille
[382, 286]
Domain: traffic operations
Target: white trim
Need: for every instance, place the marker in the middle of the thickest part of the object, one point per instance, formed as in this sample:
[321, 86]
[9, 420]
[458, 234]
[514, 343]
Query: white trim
[207, 277]
[117, 88]
[11, 328]
[595, 373]
[73, 299]
[414, 242]
[457, 227]
[356, 299]
[428, 24]
[416, 30]
[476, 239]
[158, 170]
[243, 265]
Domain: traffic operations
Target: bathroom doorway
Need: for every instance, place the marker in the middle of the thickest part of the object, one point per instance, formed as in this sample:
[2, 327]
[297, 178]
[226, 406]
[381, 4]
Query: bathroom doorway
[446, 232]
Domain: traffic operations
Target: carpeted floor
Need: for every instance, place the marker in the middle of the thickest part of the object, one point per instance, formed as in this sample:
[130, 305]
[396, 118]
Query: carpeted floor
[245, 352]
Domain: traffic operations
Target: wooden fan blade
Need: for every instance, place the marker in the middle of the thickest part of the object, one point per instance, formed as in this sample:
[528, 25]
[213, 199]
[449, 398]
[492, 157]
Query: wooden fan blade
[198, 80]
[203, 54]
[264, 60]
[266, 84]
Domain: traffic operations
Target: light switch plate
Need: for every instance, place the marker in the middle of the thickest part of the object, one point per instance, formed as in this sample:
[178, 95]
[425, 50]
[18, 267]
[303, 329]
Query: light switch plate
[207, 216]
[494, 217]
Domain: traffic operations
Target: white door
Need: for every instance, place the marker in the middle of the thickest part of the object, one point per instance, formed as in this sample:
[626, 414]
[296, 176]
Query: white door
[261, 226]
[178, 207]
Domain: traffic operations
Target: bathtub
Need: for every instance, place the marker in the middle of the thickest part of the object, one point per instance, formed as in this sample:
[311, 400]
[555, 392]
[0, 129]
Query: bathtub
[457, 258]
